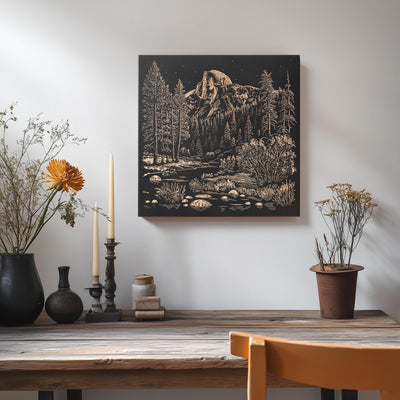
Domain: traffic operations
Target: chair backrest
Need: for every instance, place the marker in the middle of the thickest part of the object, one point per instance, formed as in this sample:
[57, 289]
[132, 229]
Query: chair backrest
[329, 366]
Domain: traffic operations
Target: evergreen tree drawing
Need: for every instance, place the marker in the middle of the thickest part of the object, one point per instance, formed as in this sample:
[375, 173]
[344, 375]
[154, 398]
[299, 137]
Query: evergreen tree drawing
[214, 135]
[233, 126]
[227, 135]
[248, 130]
[195, 143]
[155, 100]
[166, 139]
[240, 138]
[286, 117]
[180, 119]
[268, 103]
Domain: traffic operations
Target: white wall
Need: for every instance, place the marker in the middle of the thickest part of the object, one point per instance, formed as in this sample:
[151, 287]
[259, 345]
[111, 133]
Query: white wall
[78, 60]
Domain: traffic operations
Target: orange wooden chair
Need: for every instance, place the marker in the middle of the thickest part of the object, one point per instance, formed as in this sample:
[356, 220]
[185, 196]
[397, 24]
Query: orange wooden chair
[318, 365]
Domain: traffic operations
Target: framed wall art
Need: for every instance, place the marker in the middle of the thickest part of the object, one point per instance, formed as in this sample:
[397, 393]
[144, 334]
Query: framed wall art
[219, 136]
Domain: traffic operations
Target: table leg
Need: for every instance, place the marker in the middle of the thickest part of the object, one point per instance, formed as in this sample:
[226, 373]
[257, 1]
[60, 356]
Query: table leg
[45, 395]
[327, 394]
[349, 395]
[74, 394]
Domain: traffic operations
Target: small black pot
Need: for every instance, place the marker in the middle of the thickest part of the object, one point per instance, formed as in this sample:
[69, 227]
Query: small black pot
[64, 306]
[21, 291]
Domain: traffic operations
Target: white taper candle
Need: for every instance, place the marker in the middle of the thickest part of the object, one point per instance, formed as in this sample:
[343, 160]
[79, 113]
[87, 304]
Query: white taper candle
[95, 258]
[111, 227]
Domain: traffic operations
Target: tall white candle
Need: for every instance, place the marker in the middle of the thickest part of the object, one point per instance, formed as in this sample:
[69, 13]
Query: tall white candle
[111, 228]
[95, 264]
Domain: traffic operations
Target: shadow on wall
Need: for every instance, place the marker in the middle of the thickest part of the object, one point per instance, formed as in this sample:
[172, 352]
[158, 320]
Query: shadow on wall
[305, 100]
[384, 278]
[166, 257]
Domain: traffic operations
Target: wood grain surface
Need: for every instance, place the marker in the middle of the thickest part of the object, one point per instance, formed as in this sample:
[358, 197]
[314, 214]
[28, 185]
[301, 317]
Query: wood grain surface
[188, 349]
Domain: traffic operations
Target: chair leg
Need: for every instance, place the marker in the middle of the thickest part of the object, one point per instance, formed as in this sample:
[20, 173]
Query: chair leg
[349, 395]
[385, 395]
[74, 394]
[45, 395]
[327, 394]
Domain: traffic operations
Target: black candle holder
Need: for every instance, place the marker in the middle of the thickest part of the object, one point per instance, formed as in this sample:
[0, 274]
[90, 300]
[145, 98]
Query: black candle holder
[109, 312]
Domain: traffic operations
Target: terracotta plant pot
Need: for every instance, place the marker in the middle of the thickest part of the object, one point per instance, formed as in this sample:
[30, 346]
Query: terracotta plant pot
[337, 290]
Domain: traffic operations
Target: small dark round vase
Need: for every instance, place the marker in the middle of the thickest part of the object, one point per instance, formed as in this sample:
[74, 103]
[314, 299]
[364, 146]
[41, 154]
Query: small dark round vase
[21, 291]
[64, 305]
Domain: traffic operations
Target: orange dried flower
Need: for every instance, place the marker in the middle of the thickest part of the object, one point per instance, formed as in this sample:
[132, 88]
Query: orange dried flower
[63, 176]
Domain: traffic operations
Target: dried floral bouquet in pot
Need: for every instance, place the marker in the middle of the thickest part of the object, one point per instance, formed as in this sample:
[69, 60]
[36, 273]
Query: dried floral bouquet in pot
[346, 213]
[34, 186]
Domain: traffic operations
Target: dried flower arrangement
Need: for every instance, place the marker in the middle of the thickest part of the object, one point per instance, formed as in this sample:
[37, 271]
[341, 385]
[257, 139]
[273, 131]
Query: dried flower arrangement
[25, 205]
[345, 214]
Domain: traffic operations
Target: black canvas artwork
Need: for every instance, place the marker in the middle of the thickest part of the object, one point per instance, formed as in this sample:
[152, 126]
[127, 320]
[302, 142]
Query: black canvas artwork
[219, 136]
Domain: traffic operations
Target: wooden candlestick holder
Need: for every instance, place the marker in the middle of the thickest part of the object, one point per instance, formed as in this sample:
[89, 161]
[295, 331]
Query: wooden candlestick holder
[109, 312]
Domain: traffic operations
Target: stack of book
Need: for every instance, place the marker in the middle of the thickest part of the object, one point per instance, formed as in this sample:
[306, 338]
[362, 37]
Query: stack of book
[149, 307]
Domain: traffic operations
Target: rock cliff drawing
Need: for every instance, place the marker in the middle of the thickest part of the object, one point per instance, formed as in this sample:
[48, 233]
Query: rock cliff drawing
[220, 141]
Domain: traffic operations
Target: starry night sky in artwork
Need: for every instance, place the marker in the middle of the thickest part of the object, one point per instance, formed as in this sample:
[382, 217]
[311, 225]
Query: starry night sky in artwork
[245, 70]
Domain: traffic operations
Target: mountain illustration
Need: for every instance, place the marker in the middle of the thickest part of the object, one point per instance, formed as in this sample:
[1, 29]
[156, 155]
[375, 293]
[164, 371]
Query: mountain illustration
[218, 139]
[216, 93]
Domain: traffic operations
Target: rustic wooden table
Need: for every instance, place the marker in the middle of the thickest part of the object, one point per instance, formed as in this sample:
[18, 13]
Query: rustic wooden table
[190, 349]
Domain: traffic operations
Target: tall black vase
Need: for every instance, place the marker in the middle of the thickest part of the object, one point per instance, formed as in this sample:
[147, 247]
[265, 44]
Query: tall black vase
[64, 305]
[21, 291]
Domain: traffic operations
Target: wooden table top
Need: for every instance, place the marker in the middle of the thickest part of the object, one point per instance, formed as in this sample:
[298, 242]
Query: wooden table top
[188, 349]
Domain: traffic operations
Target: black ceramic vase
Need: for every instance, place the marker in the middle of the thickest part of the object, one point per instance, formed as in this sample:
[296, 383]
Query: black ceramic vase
[21, 291]
[64, 305]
